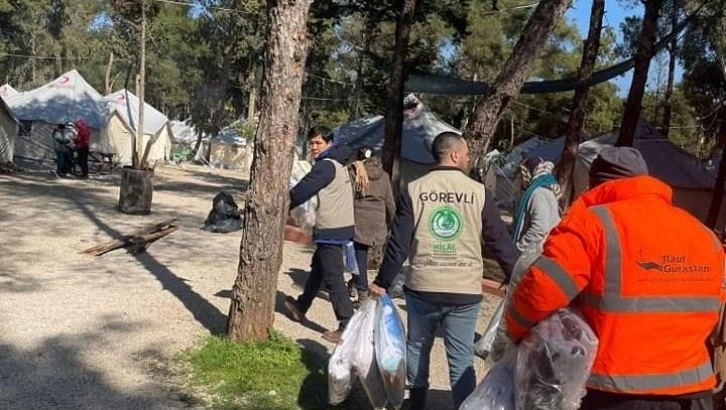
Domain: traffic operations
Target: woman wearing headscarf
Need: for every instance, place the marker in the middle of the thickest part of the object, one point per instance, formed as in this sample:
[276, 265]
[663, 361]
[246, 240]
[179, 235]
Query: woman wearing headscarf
[538, 210]
[374, 211]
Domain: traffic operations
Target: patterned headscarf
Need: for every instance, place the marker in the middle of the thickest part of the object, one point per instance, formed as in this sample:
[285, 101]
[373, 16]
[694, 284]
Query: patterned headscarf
[534, 168]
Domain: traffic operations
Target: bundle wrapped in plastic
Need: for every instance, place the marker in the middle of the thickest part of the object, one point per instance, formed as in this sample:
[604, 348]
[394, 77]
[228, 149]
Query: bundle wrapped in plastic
[340, 366]
[496, 391]
[501, 343]
[302, 216]
[363, 357]
[483, 346]
[390, 346]
[553, 363]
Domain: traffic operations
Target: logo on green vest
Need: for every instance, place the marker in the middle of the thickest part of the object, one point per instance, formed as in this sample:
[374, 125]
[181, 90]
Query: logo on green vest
[445, 223]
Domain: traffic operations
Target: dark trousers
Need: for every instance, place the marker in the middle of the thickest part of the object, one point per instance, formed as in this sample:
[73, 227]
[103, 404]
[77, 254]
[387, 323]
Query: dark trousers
[327, 270]
[598, 400]
[361, 257]
[63, 162]
[82, 160]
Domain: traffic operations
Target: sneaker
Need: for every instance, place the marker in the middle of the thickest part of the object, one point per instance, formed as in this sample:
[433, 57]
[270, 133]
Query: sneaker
[292, 311]
[352, 291]
[334, 337]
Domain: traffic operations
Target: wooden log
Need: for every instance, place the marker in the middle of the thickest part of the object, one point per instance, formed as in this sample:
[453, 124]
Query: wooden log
[140, 243]
[136, 191]
[135, 237]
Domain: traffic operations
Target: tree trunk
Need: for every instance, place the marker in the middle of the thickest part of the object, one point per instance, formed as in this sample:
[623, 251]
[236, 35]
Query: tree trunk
[394, 111]
[197, 144]
[109, 68]
[566, 168]
[252, 100]
[673, 55]
[490, 107]
[643, 55]
[718, 189]
[253, 296]
[138, 149]
[354, 111]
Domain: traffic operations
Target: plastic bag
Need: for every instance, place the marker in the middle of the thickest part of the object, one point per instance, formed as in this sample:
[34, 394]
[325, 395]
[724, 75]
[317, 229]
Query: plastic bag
[363, 355]
[351, 264]
[496, 391]
[501, 342]
[483, 347]
[340, 367]
[224, 216]
[390, 346]
[553, 363]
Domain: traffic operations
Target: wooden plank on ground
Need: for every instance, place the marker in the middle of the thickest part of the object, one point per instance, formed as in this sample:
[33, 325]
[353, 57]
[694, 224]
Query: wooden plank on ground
[136, 241]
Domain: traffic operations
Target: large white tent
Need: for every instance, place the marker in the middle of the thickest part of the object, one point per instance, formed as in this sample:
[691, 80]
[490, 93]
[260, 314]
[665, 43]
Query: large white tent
[8, 130]
[122, 124]
[7, 91]
[65, 99]
[420, 128]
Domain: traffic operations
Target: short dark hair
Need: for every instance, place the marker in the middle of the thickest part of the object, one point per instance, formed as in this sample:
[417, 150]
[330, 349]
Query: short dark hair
[444, 143]
[320, 131]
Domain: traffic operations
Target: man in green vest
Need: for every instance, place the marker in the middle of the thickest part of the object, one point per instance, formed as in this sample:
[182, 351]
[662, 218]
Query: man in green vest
[442, 222]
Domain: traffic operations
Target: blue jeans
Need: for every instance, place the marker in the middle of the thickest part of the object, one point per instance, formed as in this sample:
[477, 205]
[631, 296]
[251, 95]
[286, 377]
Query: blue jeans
[458, 323]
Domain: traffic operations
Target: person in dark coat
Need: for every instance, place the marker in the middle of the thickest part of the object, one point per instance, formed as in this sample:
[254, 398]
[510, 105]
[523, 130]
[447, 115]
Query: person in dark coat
[374, 210]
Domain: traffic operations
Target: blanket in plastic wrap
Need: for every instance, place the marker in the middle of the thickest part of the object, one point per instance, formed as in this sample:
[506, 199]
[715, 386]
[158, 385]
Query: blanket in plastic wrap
[496, 391]
[553, 363]
[390, 346]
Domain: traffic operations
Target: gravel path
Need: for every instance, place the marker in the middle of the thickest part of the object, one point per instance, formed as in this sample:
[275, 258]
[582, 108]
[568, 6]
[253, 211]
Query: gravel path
[84, 332]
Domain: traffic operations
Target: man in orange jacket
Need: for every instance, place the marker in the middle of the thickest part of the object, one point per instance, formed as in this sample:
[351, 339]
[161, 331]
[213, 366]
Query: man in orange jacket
[647, 277]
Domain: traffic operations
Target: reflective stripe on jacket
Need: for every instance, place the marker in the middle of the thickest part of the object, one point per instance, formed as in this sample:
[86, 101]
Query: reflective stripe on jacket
[648, 279]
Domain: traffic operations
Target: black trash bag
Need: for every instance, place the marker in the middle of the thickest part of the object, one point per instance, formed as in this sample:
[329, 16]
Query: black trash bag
[224, 216]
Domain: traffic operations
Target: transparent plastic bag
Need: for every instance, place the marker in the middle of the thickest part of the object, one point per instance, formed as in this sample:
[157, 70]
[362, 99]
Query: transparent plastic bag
[351, 264]
[363, 355]
[497, 390]
[483, 346]
[340, 366]
[501, 342]
[553, 363]
[390, 346]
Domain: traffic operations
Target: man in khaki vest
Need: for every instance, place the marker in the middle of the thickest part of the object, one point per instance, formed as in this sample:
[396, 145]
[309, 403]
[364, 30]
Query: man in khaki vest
[442, 221]
[334, 228]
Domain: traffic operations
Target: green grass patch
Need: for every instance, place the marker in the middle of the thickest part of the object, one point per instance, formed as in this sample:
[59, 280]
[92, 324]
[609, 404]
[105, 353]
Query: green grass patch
[275, 375]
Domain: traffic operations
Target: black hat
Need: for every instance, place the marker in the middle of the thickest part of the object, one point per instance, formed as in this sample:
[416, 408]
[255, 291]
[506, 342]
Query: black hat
[615, 163]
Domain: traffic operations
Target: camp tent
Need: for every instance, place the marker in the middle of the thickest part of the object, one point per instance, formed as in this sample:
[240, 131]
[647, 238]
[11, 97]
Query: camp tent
[229, 150]
[420, 127]
[8, 130]
[65, 99]
[7, 91]
[691, 181]
[120, 129]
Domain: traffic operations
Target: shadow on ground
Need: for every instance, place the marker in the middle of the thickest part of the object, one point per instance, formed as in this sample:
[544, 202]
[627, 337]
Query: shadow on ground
[55, 374]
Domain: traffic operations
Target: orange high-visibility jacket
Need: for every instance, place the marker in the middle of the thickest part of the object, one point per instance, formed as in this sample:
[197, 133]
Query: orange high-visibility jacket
[648, 279]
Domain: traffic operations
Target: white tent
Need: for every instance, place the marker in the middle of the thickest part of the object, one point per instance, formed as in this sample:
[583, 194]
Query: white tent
[65, 99]
[7, 91]
[121, 128]
[420, 128]
[229, 150]
[691, 181]
[8, 130]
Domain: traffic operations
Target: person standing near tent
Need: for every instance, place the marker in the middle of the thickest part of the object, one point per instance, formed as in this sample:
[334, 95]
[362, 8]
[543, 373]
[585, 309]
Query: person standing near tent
[537, 211]
[63, 146]
[374, 210]
[334, 228]
[443, 220]
[82, 140]
[648, 278]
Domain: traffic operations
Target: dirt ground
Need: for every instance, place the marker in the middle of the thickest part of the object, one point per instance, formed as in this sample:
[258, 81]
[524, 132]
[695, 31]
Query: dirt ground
[100, 332]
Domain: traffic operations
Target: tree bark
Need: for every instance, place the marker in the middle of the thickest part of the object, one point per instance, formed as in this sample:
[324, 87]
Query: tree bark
[672, 55]
[354, 111]
[518, 67]
[566, 168]
[394, 111]
[718, 189]
[643, 54]
[108, 84]
[142, 82]
[253, 295]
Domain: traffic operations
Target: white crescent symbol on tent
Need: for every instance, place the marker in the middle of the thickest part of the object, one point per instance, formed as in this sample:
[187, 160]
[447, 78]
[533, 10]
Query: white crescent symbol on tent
[64, 79]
